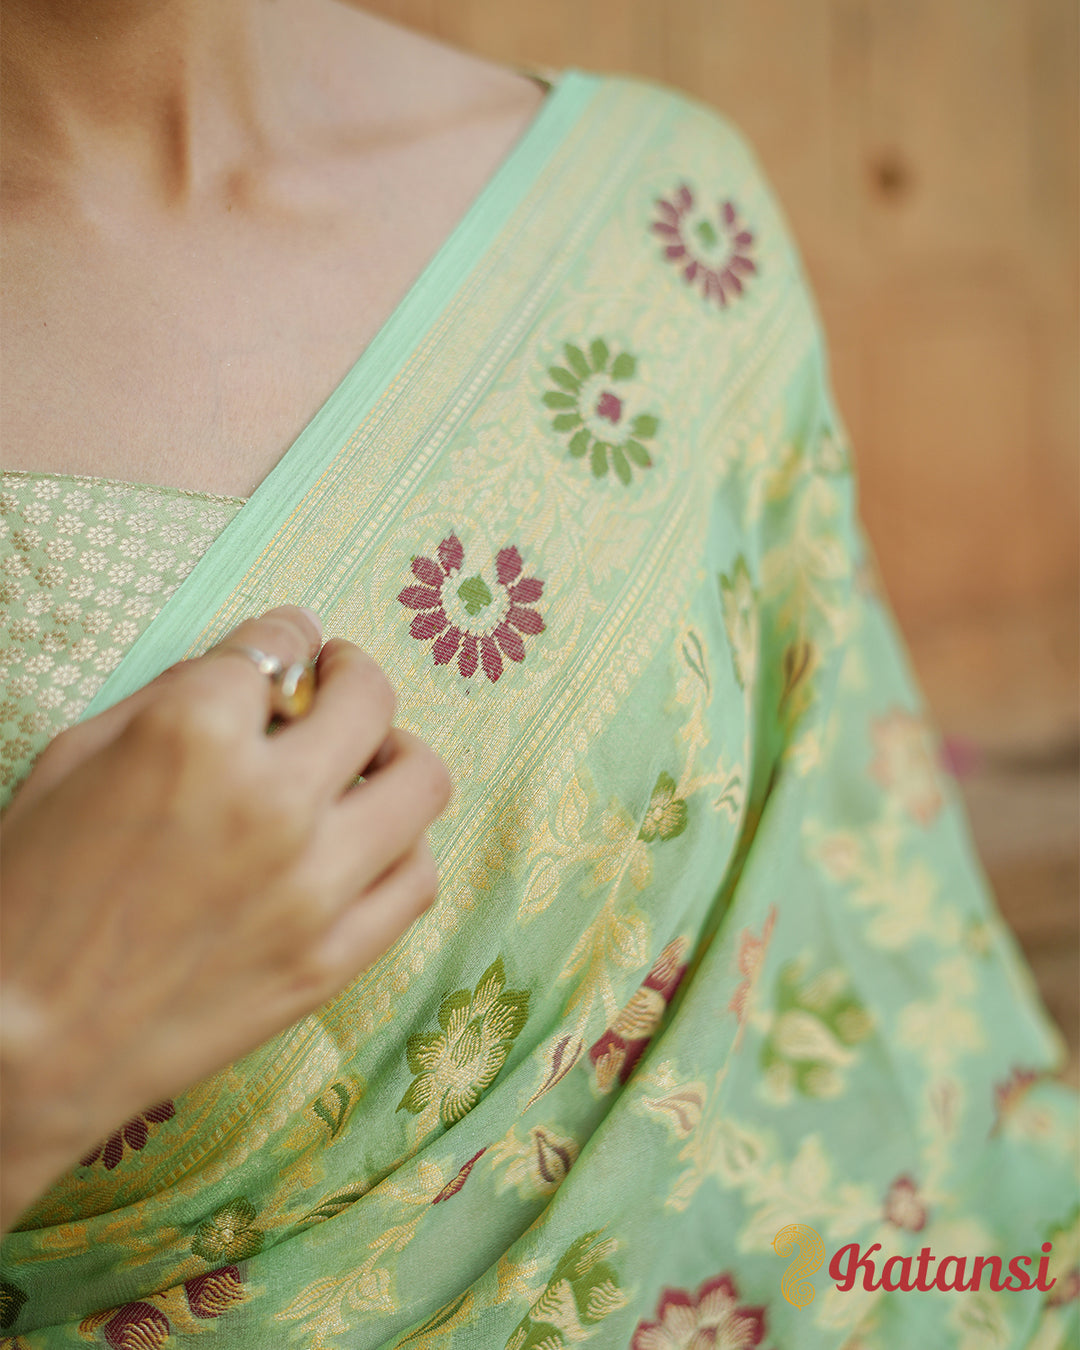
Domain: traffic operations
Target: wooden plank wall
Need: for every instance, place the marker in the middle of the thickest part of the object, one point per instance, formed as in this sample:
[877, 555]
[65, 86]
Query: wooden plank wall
[926, 153]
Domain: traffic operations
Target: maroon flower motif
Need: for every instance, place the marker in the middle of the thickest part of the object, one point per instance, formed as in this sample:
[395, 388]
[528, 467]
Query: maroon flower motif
[904, 1206]
[137, 1326]
[141, 1326]
[713, 1318]
[621, 1046]
[134, 1134]
[480, 619]
[213, 1293]
[710, 248]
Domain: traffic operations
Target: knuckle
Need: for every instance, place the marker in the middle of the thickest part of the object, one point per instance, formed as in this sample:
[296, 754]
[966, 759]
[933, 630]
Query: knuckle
[184, 724]
[371, 695]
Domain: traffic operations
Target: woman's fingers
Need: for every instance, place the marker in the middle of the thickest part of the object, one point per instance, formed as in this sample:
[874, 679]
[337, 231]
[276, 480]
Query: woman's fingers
[229, 670]
[241, 869]
[372, 924]
[349, 722]
[379, 822]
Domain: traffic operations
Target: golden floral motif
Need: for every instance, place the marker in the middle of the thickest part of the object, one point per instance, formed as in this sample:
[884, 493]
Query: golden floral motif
[537, 1165]
[582, 1290]
[230, 1234]
[456, 1064]
[905, 763]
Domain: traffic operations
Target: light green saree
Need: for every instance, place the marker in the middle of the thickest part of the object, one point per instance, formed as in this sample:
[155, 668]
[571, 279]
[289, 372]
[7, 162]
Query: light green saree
[712, 955]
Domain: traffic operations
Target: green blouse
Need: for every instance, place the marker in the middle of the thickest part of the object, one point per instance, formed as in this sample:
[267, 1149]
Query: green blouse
[85, 566]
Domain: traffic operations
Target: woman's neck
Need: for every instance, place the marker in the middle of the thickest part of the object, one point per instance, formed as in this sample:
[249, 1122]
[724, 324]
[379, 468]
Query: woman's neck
[150, 96]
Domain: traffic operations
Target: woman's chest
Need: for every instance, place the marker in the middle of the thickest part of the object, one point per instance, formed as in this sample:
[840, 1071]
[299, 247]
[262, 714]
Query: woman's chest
[196, 382]
[191, 353]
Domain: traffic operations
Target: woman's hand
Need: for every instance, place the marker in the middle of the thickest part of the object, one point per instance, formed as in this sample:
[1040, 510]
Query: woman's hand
[178, 886]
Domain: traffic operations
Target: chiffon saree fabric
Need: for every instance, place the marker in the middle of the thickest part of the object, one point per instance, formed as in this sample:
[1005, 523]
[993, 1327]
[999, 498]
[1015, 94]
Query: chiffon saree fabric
[711, 955]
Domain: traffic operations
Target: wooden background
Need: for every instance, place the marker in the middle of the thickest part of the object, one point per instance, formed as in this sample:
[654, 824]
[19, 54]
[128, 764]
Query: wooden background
[926, 154]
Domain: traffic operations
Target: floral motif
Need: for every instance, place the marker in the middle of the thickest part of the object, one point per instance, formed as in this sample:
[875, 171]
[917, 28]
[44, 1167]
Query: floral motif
[335, 1103]
[741, 621]
[142, 1326]
[455, 1065]
[455, 1184]
[12, 1301]
[713, 1317]
[840, 855]
[750, 959]
[537, 1165]
[818, 1021]
[134, 1134]
[1067, 1289]
[212, 1294]
[553, 1156]
[621, 1046]
[665, 816]
[583, 1289]
[136, 1326]
[481, 618]
[905, 763]
[1011, 1092]
[711, 248]
[230, 1232]
[591, 400]
[560, 1055]
[904, 1206]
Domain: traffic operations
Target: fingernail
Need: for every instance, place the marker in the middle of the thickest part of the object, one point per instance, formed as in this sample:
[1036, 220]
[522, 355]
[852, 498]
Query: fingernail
[314, 619]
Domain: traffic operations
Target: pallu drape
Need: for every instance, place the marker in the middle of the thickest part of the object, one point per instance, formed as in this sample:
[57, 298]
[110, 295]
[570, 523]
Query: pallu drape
[712, 954]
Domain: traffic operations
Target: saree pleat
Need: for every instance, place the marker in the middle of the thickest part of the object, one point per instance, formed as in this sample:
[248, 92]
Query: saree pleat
[712, 953]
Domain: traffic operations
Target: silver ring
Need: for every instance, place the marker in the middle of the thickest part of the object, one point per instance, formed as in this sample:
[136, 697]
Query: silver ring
[293, 685]
[265, 664]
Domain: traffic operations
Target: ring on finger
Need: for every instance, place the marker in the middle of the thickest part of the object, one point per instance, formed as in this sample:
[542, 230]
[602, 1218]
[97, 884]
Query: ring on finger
[292, 686]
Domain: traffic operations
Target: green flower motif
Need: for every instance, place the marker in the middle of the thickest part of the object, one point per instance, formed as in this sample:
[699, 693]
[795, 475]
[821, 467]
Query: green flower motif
[12, 1300]
[229, 1234]
[666, 814]
[455, 1065]
[583, 1289]
[587, 402]
[817, 1023]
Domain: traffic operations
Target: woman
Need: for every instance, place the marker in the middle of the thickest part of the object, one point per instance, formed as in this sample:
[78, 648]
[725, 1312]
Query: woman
[710, 956]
